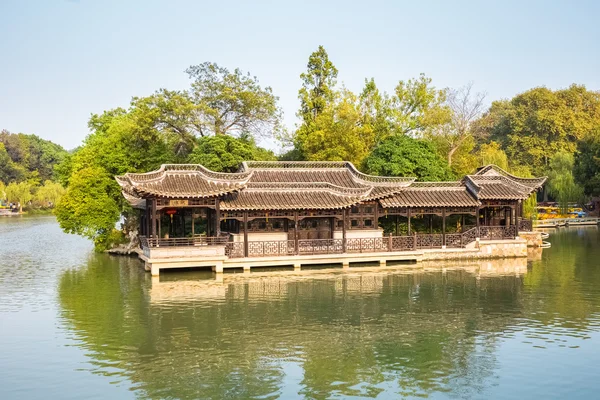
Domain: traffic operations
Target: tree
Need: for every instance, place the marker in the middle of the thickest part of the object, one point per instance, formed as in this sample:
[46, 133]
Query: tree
[561, 182]
[318, 86]
[227, 102]
[536, 124]
[587, 163]
[22, 156]
[226, 153]
[50, 193]
[2, 192]
[89, 208]
[336, 134]
[402, 155]
[19, 193]
[416, 106]
[465, 107]
[492, 153]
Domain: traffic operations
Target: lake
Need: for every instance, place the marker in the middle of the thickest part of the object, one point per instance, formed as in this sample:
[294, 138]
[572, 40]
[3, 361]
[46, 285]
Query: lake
[75, 324]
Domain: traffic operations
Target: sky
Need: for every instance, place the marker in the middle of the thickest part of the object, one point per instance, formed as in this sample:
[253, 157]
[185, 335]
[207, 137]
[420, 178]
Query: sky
[62, 60]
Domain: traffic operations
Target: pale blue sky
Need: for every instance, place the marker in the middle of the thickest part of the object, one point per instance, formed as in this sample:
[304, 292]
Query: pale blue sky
[62, 60]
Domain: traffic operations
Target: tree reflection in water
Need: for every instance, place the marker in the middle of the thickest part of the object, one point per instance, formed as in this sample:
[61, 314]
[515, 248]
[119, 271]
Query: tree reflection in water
[414, 332]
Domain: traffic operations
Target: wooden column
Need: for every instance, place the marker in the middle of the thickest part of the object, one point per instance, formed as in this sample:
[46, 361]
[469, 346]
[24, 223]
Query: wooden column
[217, 218]
[477, 216]
[148, 212]
[331, 227]
[159, 227]
[376, 215]
[430, 224]
[296, 232]
[397, 230]
[408, 215]
[153, 217]
[245, 233]
[193, 228]
[443, 226]
[345, 214]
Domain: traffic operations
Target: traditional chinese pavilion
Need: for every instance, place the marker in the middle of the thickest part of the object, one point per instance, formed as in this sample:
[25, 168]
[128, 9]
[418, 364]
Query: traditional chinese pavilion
[283, 210]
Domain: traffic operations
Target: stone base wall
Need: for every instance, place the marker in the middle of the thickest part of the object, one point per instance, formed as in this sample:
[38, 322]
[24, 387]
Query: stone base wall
[534, 239]
[481, 250]
[199, 252]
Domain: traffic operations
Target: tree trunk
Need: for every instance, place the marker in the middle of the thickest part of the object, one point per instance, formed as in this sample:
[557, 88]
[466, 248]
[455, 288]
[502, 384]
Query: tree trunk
[450, 154]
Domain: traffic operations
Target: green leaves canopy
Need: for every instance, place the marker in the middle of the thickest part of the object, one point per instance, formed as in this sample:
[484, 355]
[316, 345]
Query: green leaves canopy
[539, 123]
[226, 153]
[401, 155]
[587, 163]
[89, 207]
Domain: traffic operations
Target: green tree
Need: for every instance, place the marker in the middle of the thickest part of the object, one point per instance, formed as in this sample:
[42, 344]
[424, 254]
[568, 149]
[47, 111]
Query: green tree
[19, 193]
[561, 182]
[50, 193]
[88, 207]
[227, 102]
[336, 134]
[587, 163]
[402, 155]
[536, 124]
[2, 192]
[416, 106]
[28, 155]
[226, 153]
[492, 153]
[318, 86]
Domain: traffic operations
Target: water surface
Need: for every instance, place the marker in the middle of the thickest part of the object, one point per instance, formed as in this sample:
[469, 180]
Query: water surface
[75, 324]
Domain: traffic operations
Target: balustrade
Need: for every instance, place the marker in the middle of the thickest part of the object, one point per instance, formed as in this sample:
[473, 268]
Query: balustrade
[336, 246]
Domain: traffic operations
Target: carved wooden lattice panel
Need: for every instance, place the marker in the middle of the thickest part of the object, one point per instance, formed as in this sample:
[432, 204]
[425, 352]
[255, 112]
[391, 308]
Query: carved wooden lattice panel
[454, 240]
[403, 243]
[429, 241]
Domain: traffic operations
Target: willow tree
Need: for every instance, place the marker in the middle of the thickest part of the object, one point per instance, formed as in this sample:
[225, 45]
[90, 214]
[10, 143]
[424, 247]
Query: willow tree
[561, 182]
[19, 193]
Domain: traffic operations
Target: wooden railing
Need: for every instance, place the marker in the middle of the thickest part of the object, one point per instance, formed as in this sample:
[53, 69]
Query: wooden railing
[497, 232]
[525, 225]
[368, 245]
[337, 246]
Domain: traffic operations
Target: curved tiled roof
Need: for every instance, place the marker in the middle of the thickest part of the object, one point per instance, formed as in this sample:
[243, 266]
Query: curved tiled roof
[182, 180]
[432, 194]
[319, 185]
[494, 170]
[498, 187]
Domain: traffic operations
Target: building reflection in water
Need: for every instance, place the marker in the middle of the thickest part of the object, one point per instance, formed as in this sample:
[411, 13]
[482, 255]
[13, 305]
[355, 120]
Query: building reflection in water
[361, 280]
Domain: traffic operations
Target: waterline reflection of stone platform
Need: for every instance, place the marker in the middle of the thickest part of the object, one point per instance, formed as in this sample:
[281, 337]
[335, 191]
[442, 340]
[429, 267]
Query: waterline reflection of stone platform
[275, 285]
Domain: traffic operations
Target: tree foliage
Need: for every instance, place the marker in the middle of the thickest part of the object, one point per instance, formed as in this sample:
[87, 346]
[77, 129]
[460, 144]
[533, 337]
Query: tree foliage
[23, 156]
[336, 134]
[561, 182]
[536, 124]
[226, 153]
[587, 163]
[49, 194]
[402, 155]
[231, 102]
[19, 193]
[89, 208]
[318, 86]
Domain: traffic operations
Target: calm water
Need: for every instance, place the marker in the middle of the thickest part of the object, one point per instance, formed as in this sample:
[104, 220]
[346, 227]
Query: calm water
[74, 324]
